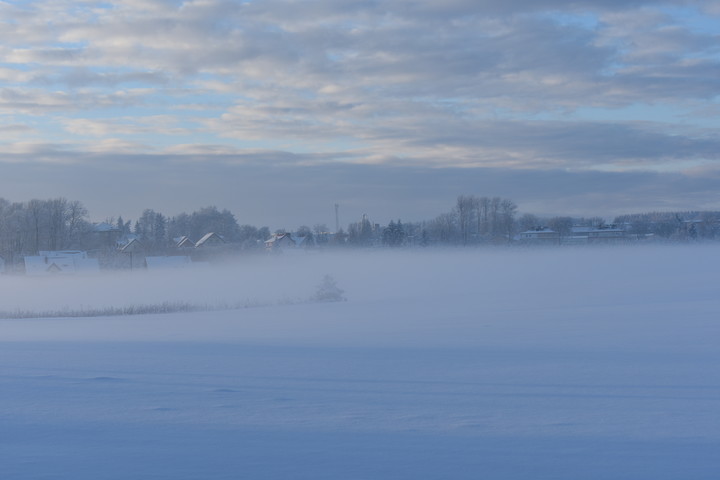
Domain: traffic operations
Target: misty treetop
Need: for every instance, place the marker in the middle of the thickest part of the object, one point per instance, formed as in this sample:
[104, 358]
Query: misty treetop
[394, 234]
[27, 228]
[692, 225]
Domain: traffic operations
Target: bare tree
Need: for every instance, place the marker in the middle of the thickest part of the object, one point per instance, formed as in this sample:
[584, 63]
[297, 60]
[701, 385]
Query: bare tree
[528, 222]
[562, 225]
[483, 208]
[465, 208]
[77, 224]
[508, 209]
[443, 229]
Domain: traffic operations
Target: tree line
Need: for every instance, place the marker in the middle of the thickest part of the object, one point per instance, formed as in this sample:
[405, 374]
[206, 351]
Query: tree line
[678, 226]
[158, 231]
[27, 228]
[472, 220]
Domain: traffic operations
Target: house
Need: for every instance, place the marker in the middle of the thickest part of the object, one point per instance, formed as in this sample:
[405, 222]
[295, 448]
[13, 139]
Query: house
[103, 235]
[125, 240]
[60, 262]
[134, 250]
[210, 240]
[605, 234]
[582, 235]
[539, 236]
[184, 242]
[280, 241]
[289, 242]
[132, 246]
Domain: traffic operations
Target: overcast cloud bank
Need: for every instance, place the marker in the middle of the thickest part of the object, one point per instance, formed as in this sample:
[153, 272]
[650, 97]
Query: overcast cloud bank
[151, 92]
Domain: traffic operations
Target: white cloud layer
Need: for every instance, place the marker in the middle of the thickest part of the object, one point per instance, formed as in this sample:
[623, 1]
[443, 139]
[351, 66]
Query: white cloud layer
[546, 85]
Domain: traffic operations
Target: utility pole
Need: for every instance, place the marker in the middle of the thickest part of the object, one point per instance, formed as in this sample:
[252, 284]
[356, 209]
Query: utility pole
[337, 217]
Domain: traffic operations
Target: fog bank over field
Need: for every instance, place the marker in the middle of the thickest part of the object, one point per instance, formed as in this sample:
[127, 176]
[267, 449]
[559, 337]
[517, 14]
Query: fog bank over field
[431, 287]
[573, 363]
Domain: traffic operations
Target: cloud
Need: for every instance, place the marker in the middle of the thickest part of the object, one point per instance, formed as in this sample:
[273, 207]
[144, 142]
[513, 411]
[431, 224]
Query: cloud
[320, 84]
[269, 188]
[82, 77]
[128, 126]
[37, 101]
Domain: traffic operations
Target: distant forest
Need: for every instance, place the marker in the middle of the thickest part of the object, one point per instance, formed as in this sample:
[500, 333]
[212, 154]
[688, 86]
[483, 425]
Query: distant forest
[27, 228]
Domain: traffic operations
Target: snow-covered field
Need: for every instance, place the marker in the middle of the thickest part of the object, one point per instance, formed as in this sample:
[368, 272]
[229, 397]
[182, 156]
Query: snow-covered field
[494, 364]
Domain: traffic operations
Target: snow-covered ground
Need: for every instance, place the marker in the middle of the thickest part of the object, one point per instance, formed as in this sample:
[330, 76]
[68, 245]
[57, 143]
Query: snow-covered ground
[500, 364]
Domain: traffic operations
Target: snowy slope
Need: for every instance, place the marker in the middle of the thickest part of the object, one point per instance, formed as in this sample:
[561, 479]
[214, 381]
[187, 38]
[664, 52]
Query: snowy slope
[562, 364]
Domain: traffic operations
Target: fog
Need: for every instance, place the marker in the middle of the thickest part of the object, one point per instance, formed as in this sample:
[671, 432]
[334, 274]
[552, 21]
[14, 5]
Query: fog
[412, 296]
[593, 363]
[487, 278]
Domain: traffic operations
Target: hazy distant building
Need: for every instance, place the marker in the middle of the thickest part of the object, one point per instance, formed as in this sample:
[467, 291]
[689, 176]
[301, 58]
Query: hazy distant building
[539, 236]
[184, 242]
[280, 241]
[592, 235]
[102, 235]
[60, 262]
[210, 240]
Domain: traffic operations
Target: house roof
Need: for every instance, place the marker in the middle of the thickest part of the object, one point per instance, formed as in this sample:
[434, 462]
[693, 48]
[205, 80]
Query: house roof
[54, 268]
[56, 262]
[277, 237]
[126, 239]
[207, 237]
[184, 241]
[132, 245]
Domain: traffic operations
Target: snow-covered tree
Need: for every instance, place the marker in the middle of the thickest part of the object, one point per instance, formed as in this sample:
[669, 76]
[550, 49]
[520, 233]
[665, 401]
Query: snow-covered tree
[328, 291]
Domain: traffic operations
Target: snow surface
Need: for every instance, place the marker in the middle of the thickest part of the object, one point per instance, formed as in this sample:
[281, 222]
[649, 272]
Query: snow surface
[589, 363]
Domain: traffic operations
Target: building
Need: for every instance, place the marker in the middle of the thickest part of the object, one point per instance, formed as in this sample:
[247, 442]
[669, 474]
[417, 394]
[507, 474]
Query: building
[280, 241]
[539, 236]
[126, 240]
[60, 262]
[102, 235]
[582, 235]
[184, 242]
[134, 251]
[210, 240]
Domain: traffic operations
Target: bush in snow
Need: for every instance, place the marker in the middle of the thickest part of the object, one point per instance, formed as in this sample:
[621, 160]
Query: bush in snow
[328, 291]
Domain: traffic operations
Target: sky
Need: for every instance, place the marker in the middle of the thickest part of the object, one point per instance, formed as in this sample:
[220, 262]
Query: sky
[279, 109]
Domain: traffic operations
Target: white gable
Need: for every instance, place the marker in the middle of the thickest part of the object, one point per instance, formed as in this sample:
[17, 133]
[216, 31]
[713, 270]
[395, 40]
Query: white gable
[67, 262]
